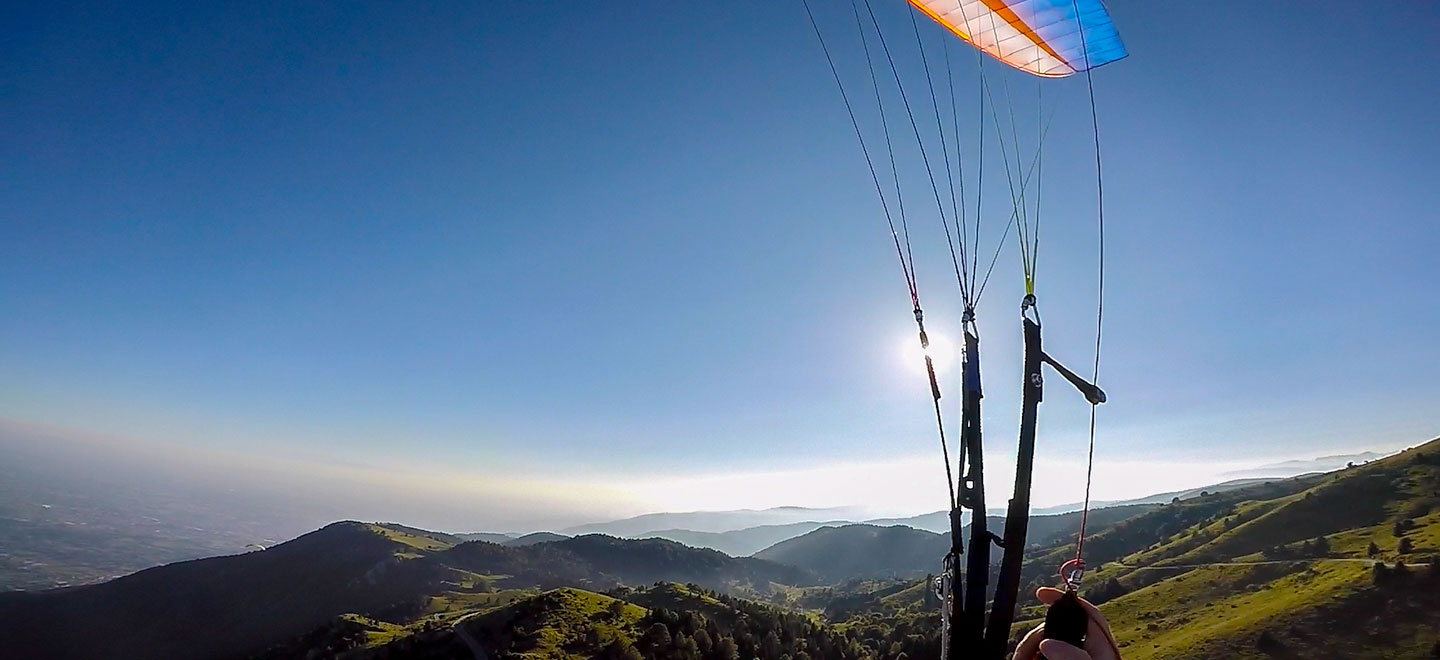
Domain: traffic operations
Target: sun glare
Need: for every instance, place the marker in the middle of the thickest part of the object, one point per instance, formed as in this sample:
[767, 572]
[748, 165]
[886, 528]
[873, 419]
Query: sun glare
[942, 352]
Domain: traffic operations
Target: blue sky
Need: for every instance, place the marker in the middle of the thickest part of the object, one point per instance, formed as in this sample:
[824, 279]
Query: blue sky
[635, 246]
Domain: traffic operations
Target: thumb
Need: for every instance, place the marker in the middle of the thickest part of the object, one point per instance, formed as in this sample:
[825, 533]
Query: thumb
[1054, 649]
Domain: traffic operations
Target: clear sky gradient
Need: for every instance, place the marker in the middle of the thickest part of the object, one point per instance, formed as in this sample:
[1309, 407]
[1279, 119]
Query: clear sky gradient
[619, 257]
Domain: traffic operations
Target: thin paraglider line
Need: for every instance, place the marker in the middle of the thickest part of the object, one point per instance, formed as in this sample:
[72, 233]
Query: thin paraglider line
[1024, 183]
[961, 274]
[889, 144]
[914, 126]
[1039, 180]
[980, 149]
[1016, 198]
[957, 207]
[870, 163]
[1022, 224]
[905, 255]
[1100, 280]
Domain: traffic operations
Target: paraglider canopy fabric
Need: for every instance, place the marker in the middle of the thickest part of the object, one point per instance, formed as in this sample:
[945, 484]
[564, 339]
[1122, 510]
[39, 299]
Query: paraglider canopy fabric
[1042, 37]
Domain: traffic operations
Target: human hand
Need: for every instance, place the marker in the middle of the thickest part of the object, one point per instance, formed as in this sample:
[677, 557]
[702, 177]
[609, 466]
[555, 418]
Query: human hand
[1099, 643]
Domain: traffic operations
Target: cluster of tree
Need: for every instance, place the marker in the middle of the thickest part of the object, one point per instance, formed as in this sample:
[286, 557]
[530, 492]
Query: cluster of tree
[1315, 548]
[642, 561]
[605, 561]
[741, 628]
[543, 565]
[1401, 528]
[859, 596]
[1404, 547]
[897, 636]
[1384, 576]
[756, 631]
[1106, 591]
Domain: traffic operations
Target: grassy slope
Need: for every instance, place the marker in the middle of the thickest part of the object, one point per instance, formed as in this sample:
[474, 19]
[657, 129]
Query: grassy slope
[850, 551]
[218, 607]
[561, 624]
[1325, 606]
[421, 540]
[234, 606]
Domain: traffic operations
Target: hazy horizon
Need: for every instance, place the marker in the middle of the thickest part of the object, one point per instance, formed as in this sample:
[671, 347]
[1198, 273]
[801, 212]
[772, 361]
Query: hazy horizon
[297, 495]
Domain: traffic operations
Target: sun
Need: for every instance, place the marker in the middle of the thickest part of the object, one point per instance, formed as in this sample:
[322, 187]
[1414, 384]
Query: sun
[943, 353]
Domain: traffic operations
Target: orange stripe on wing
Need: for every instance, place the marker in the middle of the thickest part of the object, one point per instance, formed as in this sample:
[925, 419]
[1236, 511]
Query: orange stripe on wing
[998, 7]
[936, 17]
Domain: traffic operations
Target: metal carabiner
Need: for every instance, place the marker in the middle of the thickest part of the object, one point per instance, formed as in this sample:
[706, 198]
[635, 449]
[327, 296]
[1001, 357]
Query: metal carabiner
[1071, 572]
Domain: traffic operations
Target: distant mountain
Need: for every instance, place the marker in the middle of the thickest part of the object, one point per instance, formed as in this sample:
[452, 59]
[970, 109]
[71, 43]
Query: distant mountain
[1062, 528]
[1282, 568]
[856, 551]
[236, 606]
[219, 607]
[1295, 468]
[741, 542]
[711, 521]
[1279, 568]
[1222, 487]
[645, 561]
[532, 539]
[492, 537]
[939, 521]
[935, 521]
[870, 551]
[709, 528]
[750, 540]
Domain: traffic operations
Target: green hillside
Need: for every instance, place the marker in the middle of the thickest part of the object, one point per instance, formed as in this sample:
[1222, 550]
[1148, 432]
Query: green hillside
[1335, 565]
[1283, 568]
[860, 551]
[740, 542]
[223, 606]
[850, 551]
[493, 537]
[1295, 568]
[536, 537]
[227, 607]
[661, 621]
[563, 623]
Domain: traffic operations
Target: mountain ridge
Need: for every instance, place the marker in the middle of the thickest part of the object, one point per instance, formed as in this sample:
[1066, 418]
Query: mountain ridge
[236, 605]
[1279, 565]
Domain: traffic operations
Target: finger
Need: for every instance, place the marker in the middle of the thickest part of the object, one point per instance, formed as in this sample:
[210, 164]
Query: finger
[1100, 645]
[1055, 649]
[1098, 628]
[1048, 595]
[1029, 647]
[1099, 642]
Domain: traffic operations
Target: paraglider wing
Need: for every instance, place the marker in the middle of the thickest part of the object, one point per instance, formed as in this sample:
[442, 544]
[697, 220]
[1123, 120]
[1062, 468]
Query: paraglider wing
[1043, 37]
